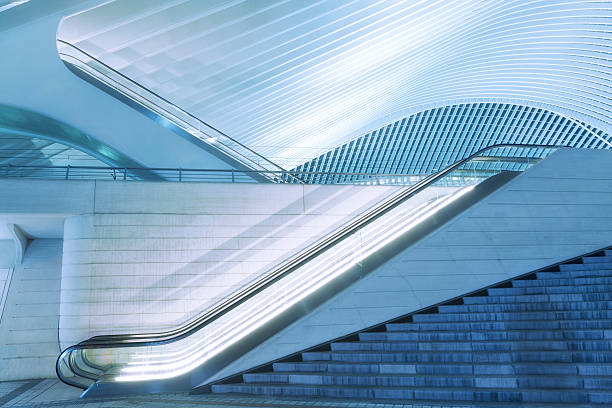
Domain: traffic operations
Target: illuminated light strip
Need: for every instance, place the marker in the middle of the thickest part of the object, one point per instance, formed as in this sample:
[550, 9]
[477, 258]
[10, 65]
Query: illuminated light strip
[279, 305]
[237, 330]
[397, 216]
[185, 350]
[264, 299]
[392, 219]
[12, 4]
[290, 283]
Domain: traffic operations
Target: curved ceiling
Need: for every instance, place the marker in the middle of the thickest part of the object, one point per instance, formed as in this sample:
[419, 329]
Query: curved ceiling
[18, 125]
[292, 79]
[428, 141]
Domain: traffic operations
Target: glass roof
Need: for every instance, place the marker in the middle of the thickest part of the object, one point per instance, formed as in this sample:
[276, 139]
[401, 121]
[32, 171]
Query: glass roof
[292, 79]
[428, 141]
[9, 4]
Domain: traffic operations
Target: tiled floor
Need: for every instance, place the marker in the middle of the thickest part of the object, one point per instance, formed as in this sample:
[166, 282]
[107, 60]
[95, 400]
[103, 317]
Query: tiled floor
[52, 393]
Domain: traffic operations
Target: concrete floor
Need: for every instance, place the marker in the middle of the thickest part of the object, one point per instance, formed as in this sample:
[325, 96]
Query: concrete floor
[52, 393]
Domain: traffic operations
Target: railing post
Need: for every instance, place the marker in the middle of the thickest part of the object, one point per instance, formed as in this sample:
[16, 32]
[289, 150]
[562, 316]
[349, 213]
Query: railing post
[233, 180]
[67, 171]
[180, 175]
[124, 174]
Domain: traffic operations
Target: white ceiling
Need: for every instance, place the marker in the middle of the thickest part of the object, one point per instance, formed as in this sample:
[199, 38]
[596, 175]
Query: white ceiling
[292, 79]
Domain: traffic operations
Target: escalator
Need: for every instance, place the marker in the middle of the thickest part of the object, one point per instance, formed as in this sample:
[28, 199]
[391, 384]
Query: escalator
[186, 125]
[186, 357]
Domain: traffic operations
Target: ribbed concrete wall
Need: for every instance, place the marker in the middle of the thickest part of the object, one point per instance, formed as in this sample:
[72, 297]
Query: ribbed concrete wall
[559, 209]
[5, 280]
[29, 325]
[152, 256]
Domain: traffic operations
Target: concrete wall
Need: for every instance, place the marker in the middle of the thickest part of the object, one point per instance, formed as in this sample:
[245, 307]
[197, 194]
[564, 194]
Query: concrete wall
[559, 209]
[147, 256]
[152, 256]
[29, 321]
[39, 207]
[7, 252]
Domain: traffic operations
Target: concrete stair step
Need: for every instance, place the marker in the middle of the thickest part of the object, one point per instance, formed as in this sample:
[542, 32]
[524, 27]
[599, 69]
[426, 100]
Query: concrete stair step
[595, 370]
[597, 259]
[419, 394]
[598, 383]
[416, 380]
[513, 316]
[597, 280]
[570, 273]
[546, 290]
[487, 335]
[524, 307]
[590, 345]
[460, 356]
[341, 367]
[566, 297]
[502, 325]
[591, 266]
[538, 368]
[385, 380]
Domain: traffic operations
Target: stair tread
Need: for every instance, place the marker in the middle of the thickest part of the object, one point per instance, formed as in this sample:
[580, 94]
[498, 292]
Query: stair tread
[470, 341]
[479, 363]
[421, 394]
[493, 321]
[335, 374]
[454, 351]
[567, 304]
[479, 389]
[512, 312]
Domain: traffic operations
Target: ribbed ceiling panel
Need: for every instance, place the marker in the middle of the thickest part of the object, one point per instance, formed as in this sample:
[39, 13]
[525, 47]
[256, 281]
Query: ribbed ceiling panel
[433, 139]
[292, 79]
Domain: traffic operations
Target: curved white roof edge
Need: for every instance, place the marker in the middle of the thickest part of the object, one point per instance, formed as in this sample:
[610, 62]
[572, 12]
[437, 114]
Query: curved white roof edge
[289, 78]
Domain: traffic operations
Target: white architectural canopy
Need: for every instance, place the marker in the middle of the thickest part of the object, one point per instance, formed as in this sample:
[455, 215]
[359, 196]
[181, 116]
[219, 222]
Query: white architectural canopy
[292, 79]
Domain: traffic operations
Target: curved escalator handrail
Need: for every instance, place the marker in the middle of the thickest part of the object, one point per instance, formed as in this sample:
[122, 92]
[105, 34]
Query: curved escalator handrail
[152, 339]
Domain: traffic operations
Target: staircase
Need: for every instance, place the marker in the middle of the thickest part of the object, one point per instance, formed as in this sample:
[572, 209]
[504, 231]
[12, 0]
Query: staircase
[544, 339]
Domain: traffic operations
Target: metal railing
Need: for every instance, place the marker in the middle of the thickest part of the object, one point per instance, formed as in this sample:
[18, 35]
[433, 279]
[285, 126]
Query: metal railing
[196, 175]
[304, 273]
[163, 108]
[480, 168]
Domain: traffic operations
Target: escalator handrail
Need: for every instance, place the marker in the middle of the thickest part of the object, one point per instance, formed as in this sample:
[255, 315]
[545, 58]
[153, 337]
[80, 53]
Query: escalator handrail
[153, 339]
